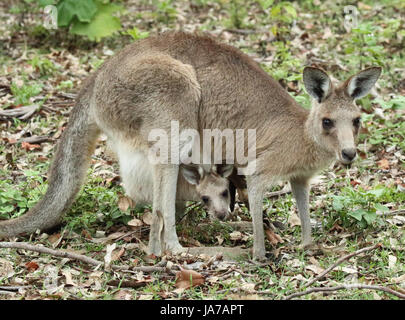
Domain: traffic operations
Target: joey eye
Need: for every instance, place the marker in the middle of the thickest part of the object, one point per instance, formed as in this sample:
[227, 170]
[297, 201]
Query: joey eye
[205, 199]
[327, 123]
[224, 194]
[356, 122]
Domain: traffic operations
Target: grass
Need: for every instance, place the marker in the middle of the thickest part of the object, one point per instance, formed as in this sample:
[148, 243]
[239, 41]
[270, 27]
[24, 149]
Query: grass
[283, 37]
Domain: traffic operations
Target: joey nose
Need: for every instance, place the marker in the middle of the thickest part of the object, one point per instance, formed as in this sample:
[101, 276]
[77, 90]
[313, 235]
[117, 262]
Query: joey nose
[348, 154]
[221, 215]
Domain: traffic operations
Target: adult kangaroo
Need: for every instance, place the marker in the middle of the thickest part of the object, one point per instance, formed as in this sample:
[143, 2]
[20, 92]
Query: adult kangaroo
[202, 84]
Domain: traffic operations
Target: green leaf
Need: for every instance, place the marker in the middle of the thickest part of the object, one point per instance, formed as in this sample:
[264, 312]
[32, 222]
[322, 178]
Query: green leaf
[44, 3]
[337, 203]
[266, 3]
[358, 214]
[370, 217]
[381, 208]
[70, 10]
[136, 34]
[290, 10]
[102, 25]
[377, 192]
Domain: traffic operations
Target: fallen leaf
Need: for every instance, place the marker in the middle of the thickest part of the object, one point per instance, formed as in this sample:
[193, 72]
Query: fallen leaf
[6, 268]
[347, 270]
[28, 146]
[236, 235]
[314, 268]
[123, 294]
[383, 164]
[147, 218]
[273, 237]
[294, 220]
[108, 256]
[400, 279]
[392, 260]
[135, 222]
[116, 254]
[68, 276]
[188, 278]
[151, 258]
[248, 287]
[124, 203]
[31, 266]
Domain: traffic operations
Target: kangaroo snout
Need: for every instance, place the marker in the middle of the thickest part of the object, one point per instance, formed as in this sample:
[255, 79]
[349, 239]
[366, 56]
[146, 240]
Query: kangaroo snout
[348, 155]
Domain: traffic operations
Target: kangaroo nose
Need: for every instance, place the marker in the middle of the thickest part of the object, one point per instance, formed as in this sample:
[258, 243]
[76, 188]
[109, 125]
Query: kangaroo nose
[348, 154]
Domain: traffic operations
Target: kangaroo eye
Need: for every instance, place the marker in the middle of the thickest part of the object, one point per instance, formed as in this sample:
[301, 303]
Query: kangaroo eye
[224, 194]
[327, 123]
[205, 199]
[356, 122]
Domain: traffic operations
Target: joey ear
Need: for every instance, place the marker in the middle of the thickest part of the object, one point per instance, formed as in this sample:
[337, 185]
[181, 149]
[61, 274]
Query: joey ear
[191, 174]
[360, 84]
[225, 170]
[317, 83]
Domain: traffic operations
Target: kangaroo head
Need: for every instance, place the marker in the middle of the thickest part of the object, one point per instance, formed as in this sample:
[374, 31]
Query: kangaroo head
[335, 120]
[212, 187]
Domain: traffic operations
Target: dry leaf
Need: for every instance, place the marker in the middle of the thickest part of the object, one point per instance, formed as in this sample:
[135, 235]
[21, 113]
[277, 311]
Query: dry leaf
[68, 276]
[135, 222]
[294, 220]
[28, 146]
[236, 235]
[248, 287]
[273, 237]
[31, 266]
[108, 256]
[400, 279]
[314, 268]
[392, 260]
[123, 294]
[383, 164]
[188, 278]
[147, 218]
[6, 268]
[116, 254]
[124, 203]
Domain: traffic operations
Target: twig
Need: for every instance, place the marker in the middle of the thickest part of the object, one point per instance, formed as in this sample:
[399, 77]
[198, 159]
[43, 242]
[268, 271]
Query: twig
[347, 287]
[57, 253]
[339, 261]
[392, 213]
[282, 192]
[127, 283]
[75, 256]
[13, 288]
[7, 292]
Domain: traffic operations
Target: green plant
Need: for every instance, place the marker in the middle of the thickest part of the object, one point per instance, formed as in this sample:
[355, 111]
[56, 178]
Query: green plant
[238, 14]
[44, 66]
[136, 34]
[165, 11]
[22, 94]
[360, 206]
[91, 18]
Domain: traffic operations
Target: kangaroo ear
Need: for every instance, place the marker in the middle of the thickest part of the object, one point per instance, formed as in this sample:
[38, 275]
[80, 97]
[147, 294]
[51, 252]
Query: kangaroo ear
[191, 174]
[225, 170]
[360, 84]
[317, 83]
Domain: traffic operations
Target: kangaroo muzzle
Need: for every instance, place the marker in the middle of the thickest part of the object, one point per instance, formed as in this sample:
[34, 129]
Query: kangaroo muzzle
[348, 155]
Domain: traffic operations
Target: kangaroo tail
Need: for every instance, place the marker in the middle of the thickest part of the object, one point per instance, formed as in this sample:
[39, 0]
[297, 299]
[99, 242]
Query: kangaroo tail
[66, 174]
